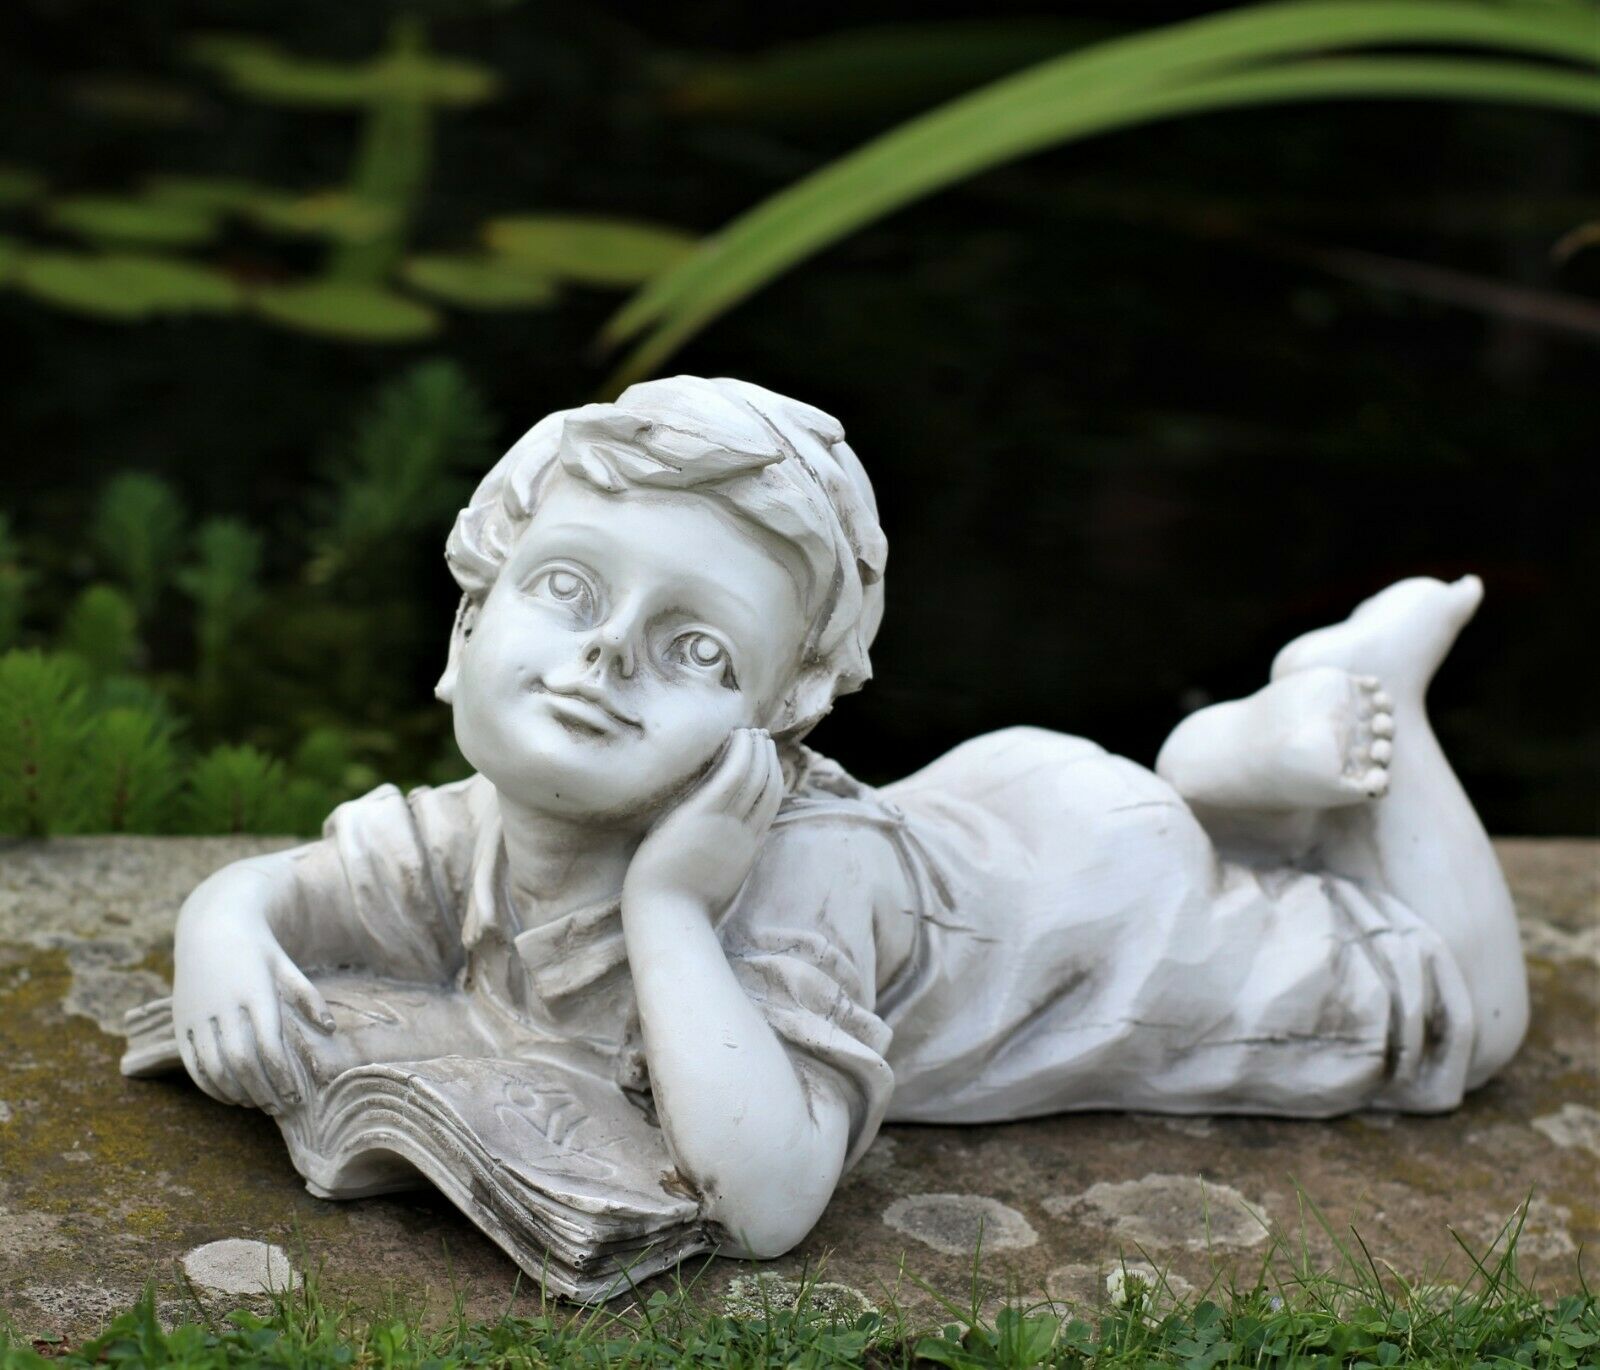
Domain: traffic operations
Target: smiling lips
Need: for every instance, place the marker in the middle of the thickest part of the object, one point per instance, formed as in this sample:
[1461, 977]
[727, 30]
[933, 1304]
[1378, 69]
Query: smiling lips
[589, 710]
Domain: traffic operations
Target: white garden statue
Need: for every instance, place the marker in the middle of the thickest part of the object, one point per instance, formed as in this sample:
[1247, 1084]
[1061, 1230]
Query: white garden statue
[660, 963]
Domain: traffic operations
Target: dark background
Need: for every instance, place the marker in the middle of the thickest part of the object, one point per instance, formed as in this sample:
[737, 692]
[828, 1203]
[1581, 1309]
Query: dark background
[1128, 430]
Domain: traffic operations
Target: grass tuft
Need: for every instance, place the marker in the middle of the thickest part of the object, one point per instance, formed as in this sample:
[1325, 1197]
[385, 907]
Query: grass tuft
[1360, 1315]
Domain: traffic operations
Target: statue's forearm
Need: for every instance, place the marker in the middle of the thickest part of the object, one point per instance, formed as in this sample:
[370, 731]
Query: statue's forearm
[300, 895]
[736, 1115]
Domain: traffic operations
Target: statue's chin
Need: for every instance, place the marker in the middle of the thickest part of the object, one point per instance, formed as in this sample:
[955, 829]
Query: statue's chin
[582, 790]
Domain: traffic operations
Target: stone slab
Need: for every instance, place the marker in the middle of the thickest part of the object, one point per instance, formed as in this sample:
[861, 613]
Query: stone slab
[107, 1184]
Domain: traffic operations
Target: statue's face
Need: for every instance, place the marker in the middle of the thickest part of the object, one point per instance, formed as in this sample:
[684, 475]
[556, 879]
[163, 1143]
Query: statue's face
[626, 637]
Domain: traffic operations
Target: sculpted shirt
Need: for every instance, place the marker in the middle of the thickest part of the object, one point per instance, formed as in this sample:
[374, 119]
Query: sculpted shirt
[1027, 926]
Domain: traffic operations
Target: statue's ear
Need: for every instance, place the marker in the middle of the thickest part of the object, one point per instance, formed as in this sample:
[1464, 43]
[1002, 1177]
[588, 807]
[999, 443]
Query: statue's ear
[466, 618]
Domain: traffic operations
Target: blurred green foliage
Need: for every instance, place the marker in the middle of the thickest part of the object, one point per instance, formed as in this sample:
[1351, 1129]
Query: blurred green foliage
[397, 480]
[108, 724]
[138, 523]
[370, 285]
[101, 629]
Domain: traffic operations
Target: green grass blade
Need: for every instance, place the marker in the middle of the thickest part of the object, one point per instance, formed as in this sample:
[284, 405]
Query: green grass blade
[762, 245]
[1018, 114]
[1074, 95]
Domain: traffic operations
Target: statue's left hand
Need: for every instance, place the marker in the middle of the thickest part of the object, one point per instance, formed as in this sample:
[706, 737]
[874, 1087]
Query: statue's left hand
[702, 850]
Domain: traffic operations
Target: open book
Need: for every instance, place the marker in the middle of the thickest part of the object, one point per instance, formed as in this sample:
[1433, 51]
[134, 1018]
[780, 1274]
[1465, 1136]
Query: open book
[553, 1162]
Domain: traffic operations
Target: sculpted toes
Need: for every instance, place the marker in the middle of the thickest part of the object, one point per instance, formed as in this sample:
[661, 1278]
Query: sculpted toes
[1381, 751]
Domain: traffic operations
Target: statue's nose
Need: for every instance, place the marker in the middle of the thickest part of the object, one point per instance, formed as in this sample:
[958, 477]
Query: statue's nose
[611, 644]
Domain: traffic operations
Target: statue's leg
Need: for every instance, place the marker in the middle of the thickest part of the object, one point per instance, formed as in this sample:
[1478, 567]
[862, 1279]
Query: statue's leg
[1422, 841]
[1333, 766]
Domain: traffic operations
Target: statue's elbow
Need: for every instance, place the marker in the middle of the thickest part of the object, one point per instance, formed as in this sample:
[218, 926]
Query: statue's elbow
[765, 1231]
[769, 1213]
[1501, 1030]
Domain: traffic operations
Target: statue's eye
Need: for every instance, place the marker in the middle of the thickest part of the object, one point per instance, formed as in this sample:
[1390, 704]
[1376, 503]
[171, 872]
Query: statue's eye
[567, 590]
[703, 650]
[563, 585]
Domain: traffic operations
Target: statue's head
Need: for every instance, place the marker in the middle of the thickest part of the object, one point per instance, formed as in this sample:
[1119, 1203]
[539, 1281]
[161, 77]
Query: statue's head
[641, 578]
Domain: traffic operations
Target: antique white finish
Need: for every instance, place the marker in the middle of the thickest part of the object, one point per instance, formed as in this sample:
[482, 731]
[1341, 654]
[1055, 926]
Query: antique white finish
[654, 976]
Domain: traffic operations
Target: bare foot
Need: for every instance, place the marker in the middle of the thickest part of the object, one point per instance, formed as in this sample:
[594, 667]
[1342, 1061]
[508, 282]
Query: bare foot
[1320, 736]
[1401, 635]
[1318, 739]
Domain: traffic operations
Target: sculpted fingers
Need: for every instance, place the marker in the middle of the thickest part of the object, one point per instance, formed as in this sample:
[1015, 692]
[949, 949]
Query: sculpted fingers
[196, 1068]
[207, 1070]
[266, 1026]
[300, 992]
[236, 1040]
[753, 780]
[769, 793]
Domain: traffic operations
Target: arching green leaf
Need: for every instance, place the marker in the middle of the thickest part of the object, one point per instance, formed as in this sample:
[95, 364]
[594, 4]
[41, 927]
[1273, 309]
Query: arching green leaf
[132, 219]
[1240, 57]
[479, 281]
[588, 248]
[346, 309]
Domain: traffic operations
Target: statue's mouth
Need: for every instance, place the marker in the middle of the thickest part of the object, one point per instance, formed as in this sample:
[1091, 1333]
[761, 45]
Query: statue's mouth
[587, 713]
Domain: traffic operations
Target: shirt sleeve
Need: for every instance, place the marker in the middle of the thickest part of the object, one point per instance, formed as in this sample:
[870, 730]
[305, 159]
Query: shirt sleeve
[405, 860]
[800, 938]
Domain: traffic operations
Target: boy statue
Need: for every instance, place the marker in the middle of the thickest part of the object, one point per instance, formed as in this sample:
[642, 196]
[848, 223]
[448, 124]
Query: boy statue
[1297, 913]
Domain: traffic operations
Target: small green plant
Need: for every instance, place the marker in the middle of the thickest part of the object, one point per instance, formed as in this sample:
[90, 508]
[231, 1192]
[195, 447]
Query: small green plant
[131, 772]
[223, 582]
[14, 581]
[44, 718]
[402, 473]
[236, 789]
[287, 695]
[79, 756]
[138, 522]
[102, 630]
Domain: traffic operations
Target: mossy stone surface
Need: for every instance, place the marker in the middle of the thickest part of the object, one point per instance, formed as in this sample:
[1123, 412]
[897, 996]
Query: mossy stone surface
[106, 1183]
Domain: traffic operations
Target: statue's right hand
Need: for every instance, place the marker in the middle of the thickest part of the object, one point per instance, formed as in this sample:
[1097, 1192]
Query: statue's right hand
[230, 983]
